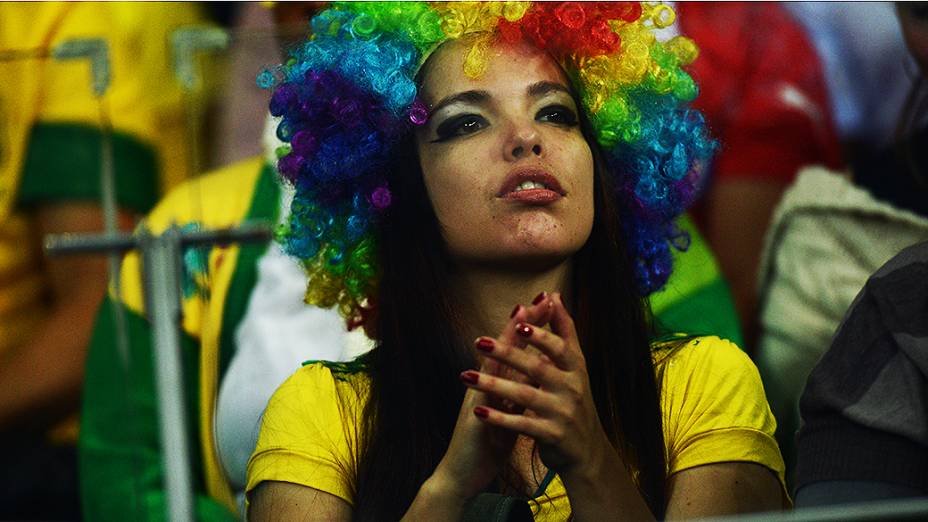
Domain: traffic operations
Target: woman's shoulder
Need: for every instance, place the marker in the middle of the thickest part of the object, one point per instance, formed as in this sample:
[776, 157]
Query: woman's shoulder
[706, 363]
[318, 374]
[708, 374]
[713, 405]
[308, 429]
[696, 352]
[316, 382]
[315, 402]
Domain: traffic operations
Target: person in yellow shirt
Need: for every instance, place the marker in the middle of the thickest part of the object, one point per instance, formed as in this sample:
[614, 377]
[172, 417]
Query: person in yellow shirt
[710, 411]
[50, 163]
[451, 160]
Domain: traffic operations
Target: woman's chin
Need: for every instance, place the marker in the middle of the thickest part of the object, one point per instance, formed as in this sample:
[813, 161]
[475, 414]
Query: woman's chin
[527, 256]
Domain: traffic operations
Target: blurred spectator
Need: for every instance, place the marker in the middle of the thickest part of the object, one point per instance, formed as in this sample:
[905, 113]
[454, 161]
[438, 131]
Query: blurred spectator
[763, 92]
[827, 237]
[868, 69]
[243, 105]
[829, 234]
[50, 163]
[865, 408]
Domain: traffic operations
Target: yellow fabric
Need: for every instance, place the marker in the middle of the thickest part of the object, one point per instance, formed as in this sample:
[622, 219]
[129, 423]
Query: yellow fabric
[217, 200]
[214, 201]
[712, 400]
[45, 90]
[143, 99]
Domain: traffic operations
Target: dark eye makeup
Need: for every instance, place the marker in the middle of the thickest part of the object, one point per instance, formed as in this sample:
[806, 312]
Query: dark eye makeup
[464, 124]
[459, 125]
[559, 114]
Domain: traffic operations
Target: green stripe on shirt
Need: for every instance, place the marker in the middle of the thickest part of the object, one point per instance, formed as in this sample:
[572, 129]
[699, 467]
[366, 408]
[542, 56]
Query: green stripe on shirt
[62, 164]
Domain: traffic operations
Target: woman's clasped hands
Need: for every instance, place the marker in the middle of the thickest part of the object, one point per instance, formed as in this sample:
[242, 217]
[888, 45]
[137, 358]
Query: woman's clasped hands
[532, 381]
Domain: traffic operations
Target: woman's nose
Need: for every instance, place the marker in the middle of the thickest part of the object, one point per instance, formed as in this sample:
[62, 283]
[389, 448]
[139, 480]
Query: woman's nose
[519, 150]
[524, 143]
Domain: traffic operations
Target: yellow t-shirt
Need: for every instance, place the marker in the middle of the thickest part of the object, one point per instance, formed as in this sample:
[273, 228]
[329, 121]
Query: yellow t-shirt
[712, 400]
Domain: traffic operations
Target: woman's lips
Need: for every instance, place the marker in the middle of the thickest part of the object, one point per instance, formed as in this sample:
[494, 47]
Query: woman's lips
[534, 196]
[550, 193]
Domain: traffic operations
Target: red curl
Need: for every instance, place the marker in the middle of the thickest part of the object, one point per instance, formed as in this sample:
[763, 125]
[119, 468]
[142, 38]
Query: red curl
[566, 28]
[626, 11]
[571, 15]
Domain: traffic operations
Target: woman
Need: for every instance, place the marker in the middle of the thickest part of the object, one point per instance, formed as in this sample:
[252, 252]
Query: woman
[536, 149]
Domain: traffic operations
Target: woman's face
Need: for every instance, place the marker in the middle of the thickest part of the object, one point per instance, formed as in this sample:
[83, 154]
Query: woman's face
[508, 172]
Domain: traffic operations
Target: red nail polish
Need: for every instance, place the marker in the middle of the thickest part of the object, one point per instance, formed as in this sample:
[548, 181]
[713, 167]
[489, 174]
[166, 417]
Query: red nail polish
[485, 345]
[470, 377]
[539, 298]
[524, 330]
[482, 412]
[515, 311]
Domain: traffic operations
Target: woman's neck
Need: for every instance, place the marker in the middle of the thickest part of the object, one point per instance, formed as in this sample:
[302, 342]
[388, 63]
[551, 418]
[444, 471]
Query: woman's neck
[487, 296]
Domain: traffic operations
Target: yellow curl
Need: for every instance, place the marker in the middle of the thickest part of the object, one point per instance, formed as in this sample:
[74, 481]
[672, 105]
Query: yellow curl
[514, 11]
[683, 48]
[477, 57]
[463, 18]
[661, 15]
[324, 288]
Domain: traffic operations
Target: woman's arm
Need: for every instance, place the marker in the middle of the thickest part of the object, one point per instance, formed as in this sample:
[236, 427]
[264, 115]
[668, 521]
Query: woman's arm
[273, 500]
[724, 488]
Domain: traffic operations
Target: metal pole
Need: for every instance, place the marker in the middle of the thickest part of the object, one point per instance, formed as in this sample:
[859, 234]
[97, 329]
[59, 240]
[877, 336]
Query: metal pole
[886, 510]
[162, 268]
[187, 44]
[96, 51]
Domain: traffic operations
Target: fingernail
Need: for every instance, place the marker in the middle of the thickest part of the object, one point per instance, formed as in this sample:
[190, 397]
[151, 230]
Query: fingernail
[515, 311]
[539, 298]
[524, 330]
[481, 412]
[470, 377]
[485, 345]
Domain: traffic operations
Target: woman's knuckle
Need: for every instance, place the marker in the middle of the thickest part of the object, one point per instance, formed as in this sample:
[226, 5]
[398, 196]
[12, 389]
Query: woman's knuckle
[526, 395]
[537, 367]
[574, 392]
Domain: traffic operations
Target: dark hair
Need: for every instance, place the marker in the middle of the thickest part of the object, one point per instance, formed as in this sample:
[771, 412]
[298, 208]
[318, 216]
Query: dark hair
[415, 394]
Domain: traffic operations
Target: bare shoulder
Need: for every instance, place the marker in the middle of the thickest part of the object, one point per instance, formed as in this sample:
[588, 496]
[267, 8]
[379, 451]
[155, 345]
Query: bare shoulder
[273, 500]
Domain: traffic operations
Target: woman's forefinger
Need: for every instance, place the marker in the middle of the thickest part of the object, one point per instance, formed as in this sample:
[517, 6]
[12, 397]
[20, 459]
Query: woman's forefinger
[561, 322]
[550, 344]
[538, 313]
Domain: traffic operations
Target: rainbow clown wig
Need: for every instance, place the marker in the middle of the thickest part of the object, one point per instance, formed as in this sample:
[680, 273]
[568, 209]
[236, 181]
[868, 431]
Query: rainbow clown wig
[347, 96]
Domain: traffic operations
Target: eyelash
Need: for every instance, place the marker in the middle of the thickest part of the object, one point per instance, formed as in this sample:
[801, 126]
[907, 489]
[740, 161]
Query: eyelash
[565, 116]
[458, 126]
[466, 123]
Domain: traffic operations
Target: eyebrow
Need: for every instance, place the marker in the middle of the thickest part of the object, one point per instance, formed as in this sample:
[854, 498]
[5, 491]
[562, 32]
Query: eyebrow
[539, 89]
[535, 90]
[475, 97]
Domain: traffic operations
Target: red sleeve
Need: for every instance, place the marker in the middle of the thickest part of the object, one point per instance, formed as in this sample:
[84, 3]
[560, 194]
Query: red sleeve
[762, 90]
